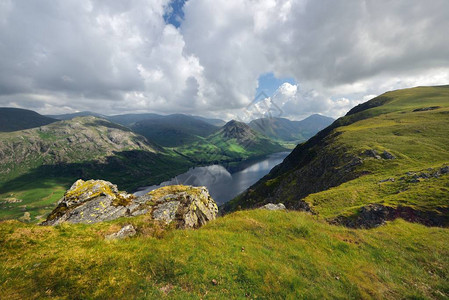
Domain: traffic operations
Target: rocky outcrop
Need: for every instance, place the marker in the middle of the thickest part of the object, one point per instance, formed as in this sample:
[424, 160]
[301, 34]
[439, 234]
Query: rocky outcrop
[95, 201]
[426, 108]
[374, 215]
[373, 153]
[271, 206]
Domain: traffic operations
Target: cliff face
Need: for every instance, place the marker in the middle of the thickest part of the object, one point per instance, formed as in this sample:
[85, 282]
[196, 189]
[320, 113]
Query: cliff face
[95, 201]
[359, 161]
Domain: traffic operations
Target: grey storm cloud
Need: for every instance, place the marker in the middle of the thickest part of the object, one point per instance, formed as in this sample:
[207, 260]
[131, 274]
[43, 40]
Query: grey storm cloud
[117, 56]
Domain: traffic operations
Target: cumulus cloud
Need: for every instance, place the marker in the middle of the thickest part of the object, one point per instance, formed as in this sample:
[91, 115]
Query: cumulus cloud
[121, 56]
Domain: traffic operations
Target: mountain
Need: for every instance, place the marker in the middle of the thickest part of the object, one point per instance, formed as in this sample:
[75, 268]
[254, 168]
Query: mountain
[173, 130]
[38, 164]
[386, 158]
[78, 114]
[291, 131]
[215, 122]
[234, 142]
[130, 119]
[13, 119]
[166, 130]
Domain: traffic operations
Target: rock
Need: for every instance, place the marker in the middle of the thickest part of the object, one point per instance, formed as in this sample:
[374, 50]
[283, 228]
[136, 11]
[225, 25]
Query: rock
[26, 217]
[90, 201]
[271, 206]
[388, 179]
[372, 153]
[126, 231]
[214, 281]
[374, 215]
[426, 108]
[98, 200]
[387, 155]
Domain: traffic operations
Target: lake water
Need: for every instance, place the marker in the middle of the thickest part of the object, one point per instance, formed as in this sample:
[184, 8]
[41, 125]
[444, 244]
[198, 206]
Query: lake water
[222, 185]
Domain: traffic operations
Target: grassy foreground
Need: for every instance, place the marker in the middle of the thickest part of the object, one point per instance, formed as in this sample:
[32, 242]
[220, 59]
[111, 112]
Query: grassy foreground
[248, 254]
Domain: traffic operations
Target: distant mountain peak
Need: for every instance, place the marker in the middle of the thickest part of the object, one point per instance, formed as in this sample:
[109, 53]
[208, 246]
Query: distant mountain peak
[237, 130]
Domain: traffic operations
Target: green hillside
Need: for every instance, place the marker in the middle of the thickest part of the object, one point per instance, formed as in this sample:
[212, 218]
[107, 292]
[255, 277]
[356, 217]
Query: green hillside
[291, 131]
[76, 115]
[386, 160]
[13, 119]
[252, 254]
[173, 130]
[38, 165]
[234, 142]
[344, 168]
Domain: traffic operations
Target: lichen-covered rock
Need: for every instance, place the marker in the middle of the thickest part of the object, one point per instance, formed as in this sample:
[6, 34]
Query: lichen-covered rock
[271, 206]
[98, 200]
[124, 232]
[188, 206]
[90, 201]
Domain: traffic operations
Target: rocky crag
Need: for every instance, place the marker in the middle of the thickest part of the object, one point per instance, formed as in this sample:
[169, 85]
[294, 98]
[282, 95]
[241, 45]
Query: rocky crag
[95, 201]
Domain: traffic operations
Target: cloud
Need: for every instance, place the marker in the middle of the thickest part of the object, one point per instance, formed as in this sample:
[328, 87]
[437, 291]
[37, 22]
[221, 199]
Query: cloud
[121, 56]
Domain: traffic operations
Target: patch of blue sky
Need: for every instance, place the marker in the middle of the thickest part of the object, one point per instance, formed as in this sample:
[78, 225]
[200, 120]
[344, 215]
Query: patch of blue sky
[174, 14]
[269, 83]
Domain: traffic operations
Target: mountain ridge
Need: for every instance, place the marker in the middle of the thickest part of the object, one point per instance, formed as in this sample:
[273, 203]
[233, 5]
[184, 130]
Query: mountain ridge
[291, 131]
[345, 158]
[14, 119]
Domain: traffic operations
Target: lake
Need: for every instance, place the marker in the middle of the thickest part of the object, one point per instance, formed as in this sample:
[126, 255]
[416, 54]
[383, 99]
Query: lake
[223, 185]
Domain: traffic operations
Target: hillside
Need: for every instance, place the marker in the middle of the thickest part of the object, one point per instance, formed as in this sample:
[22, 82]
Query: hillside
[173, 130]
[291, 131]
[252, 254]
[13, 119]
[130, 119]
[234, 142]
[385, 161]
[386, 158]
[76, 115]
[215, 122]
[39, 164]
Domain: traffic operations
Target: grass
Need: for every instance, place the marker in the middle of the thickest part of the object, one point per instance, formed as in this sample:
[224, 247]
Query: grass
[36, 197]
[319, 171]
[250, 254]
[418, 140]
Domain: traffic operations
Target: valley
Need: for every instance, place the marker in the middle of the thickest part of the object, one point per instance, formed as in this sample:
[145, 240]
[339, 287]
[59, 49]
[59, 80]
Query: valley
[366, 216]
[39, 164]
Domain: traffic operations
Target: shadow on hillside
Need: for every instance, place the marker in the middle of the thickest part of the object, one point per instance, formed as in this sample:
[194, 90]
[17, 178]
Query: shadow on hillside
[128, 169]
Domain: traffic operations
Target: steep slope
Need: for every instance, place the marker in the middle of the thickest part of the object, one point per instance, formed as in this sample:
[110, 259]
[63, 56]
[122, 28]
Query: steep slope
[391, 151]
[13, 119]
[39, 164]
[291, 131]
[234, 142]
[173, 130]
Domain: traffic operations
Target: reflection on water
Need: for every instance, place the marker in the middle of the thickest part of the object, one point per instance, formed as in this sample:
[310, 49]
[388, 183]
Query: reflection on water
[222, 185]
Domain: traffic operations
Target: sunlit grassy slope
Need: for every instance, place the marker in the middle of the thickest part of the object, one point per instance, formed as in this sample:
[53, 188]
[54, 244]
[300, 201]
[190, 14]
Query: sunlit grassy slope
[333, 173]
[251, 254]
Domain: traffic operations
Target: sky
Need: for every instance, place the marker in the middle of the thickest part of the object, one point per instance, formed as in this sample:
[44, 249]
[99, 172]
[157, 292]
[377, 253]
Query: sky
[217, 58]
